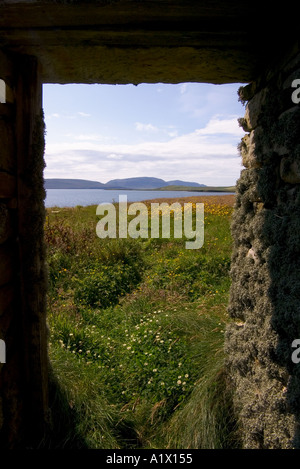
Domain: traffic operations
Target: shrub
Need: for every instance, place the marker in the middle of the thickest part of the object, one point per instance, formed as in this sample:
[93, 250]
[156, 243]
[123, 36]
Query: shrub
[103, 286]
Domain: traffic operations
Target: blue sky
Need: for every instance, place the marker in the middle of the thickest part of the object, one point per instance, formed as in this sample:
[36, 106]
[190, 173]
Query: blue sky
[187, 131]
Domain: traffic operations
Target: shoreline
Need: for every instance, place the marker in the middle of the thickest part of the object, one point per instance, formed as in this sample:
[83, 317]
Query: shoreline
[228, 199]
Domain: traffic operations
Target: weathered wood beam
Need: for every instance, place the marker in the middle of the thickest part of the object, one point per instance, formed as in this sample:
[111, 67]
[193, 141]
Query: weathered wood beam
[31, 213]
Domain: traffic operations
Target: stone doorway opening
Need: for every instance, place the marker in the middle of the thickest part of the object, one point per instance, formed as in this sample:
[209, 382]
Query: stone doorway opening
[127, 42]
[75, 320]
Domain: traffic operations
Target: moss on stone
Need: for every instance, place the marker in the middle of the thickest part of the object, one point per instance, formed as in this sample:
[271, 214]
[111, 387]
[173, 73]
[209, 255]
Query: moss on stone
[265, 273]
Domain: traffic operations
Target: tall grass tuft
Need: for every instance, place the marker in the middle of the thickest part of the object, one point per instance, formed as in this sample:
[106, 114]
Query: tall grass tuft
[81, 416]
[206, 420]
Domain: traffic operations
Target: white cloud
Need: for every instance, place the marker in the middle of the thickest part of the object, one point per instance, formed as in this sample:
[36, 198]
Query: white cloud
[217, 125]
[205, 170]
[57, 115]
[183, 88]
[206, 141]
[89, 137]
[172, 133]
[145, 127]
[114, 156]
[201, 145]
[189, 146]
[207, 155]
[54, 115]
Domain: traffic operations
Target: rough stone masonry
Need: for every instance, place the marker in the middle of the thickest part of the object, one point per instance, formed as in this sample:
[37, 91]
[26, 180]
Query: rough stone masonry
[265, 271]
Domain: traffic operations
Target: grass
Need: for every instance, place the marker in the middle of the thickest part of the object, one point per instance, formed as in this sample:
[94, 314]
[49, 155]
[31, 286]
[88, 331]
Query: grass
[136, 335]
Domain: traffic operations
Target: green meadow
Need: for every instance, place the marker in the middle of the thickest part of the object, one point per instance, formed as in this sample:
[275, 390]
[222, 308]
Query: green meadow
[136, 334]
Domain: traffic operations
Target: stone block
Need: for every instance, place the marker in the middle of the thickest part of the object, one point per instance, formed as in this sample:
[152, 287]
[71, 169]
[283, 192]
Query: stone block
[254, 108]
[290, 170]
[247, 92]
[292, 113]
[248, 152]
[258, 206]
[293, 63]
[267, 148]
[287, 84]
[251, 254]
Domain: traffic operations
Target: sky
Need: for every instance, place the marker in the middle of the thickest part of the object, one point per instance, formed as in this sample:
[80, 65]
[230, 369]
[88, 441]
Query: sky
[186, 131]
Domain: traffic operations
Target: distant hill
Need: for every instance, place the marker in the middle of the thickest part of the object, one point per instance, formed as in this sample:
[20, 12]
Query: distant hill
[138, 183]
[72, 184]
[199, 189]
[183, 183]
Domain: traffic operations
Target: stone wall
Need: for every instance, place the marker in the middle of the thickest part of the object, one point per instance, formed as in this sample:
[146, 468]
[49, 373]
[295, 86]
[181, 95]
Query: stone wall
[10, 379]
[24, 374]
[265, 292]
